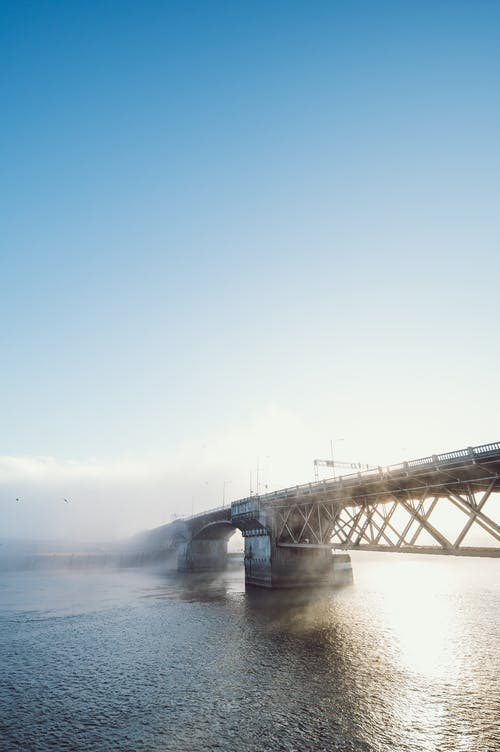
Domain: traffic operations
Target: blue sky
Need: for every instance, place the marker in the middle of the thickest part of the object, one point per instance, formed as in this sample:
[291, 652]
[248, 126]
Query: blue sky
[234, 231]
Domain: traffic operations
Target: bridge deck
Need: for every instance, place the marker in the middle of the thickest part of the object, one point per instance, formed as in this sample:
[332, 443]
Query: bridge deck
[479, 466]
[357, 511]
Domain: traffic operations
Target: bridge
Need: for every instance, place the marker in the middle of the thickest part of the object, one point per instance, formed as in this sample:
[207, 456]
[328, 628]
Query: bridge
[289, 534]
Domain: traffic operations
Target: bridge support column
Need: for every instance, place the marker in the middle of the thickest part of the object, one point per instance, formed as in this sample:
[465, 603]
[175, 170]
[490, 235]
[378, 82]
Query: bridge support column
[271, 566]
[202, 556]
[258, 561]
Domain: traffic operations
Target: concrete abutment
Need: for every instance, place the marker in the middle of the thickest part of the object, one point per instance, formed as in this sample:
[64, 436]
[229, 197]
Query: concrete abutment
[270, 565]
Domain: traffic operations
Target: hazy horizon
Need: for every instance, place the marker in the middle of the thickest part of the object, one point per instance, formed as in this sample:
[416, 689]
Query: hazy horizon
[232, 235]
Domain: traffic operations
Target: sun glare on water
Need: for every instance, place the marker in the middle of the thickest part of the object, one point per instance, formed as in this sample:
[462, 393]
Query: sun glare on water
[419, 611]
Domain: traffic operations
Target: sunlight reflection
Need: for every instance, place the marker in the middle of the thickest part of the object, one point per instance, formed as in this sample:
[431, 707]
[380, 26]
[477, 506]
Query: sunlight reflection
[422, 721]
[421, 616]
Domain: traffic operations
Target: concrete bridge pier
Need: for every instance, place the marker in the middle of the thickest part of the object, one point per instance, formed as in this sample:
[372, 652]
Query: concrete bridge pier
[271, 565]
[202, 555]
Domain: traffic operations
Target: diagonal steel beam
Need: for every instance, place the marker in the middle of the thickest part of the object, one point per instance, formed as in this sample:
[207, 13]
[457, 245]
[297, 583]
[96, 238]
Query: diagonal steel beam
[426, 516]
[341, 524]
[443, 542]
[354, 519]
[480, 519]
[475, 510]
[474, 513]
[307, 524]
[361, 534]
[402, 537]
[285, 525]
[386, 518]
[381, 533]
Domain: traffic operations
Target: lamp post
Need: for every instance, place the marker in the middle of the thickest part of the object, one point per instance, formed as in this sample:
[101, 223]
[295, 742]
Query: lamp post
[257, 472]
[224, 484]
[259, 468]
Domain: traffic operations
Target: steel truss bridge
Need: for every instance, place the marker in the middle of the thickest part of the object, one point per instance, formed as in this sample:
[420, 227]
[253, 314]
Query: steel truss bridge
[405, 508]
[442, 504]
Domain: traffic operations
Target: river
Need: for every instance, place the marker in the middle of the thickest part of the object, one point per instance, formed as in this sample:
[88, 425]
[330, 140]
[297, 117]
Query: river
[406, 659]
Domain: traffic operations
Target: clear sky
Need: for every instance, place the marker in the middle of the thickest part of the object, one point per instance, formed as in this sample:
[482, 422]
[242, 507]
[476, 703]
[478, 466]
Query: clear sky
[232, 232]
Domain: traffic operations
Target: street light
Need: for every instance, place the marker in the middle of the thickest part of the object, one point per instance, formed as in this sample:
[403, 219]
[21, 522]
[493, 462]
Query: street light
[259, 468]
[226, 482]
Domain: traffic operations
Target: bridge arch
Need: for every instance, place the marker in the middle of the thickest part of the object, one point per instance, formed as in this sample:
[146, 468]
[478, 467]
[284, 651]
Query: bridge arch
[218, 530]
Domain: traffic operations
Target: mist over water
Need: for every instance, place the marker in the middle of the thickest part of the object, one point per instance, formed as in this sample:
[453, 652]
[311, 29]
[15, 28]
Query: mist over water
[404, 659]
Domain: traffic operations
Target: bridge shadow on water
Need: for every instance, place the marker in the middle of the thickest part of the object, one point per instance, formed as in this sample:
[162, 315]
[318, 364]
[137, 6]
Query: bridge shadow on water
[283, 600]
[309, 614]
[222, 587]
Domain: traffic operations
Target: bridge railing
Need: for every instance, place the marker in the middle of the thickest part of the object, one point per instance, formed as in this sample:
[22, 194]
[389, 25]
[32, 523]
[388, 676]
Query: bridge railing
[215, 510]
[432, 460]
[446, 458]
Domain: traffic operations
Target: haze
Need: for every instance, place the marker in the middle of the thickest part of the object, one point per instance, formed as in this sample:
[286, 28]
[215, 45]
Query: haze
[233, 234]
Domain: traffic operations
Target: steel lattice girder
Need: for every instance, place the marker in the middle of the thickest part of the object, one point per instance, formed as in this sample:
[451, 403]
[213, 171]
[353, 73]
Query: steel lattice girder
[368, 521]
[368, 525]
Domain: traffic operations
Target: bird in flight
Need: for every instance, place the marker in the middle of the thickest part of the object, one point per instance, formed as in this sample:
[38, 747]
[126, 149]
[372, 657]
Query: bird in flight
[17, 498]
[66, 501]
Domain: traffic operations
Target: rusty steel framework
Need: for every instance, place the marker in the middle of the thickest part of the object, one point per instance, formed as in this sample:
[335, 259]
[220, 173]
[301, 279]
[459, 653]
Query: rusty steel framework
[398, 508]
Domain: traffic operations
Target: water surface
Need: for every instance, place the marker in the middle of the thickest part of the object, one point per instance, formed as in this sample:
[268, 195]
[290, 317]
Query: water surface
[405, 659]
